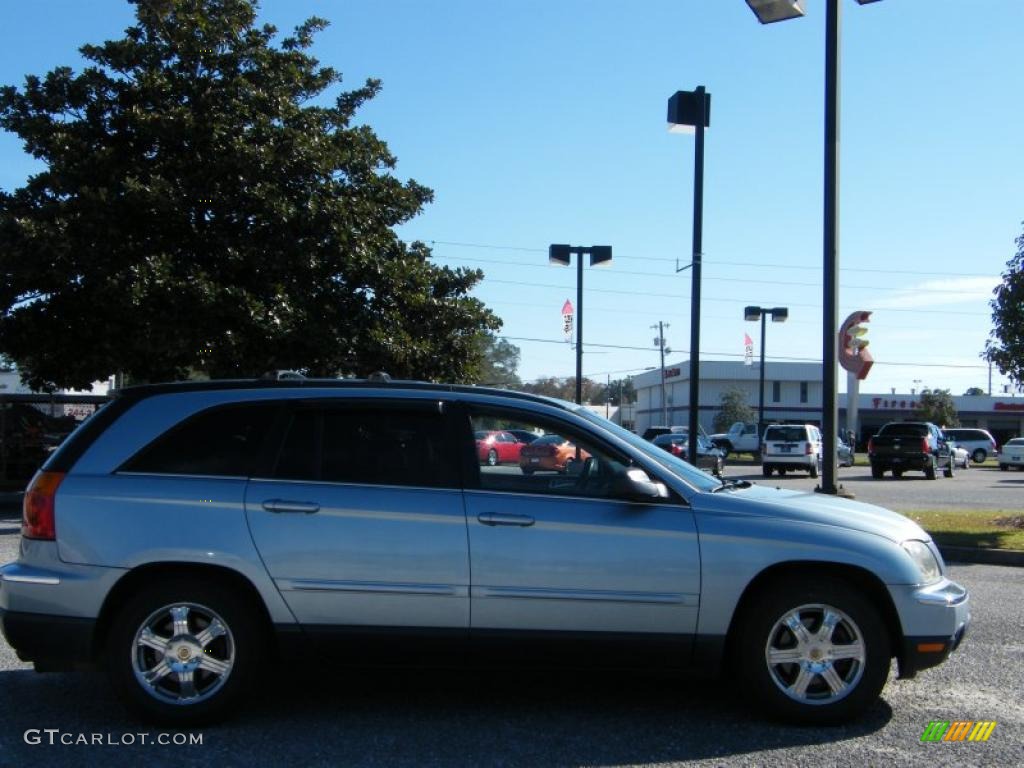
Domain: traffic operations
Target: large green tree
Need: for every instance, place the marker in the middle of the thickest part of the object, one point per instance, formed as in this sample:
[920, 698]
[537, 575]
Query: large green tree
[1005, 347]
[500, 362]
[733, 408]
[207, 204]
[936, 406]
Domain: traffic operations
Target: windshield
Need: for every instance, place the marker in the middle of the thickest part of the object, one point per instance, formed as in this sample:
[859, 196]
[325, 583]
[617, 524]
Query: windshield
[688, 473]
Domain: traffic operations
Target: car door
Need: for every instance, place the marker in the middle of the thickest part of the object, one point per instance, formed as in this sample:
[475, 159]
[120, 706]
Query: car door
[560, 552]
[359, 517]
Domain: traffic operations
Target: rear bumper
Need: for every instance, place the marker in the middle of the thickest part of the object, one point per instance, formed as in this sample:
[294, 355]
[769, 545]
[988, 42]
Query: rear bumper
[51, 641]
[901, 462]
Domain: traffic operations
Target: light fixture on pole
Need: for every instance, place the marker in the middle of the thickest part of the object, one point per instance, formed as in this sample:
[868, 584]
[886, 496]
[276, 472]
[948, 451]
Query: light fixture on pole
[600, 255]
[768, 11]
[753, 314]
[691, 111]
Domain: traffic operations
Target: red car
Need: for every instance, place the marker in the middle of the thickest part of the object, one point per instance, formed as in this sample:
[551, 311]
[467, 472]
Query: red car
[550, 452]
[497, 447]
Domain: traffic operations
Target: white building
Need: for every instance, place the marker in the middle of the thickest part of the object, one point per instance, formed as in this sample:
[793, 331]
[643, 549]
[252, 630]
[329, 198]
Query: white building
[793, 392]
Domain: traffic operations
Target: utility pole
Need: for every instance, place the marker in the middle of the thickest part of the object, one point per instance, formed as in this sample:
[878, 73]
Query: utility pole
[660, 343]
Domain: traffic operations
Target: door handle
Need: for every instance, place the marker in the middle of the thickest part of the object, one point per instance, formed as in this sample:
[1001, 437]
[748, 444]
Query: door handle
[282, 505]
[499, 518]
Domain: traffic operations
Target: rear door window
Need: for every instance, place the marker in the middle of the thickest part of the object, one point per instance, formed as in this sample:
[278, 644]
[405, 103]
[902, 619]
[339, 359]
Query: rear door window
[369, 445]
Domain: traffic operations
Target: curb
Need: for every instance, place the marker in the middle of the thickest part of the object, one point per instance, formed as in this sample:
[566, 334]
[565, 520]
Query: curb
[1010, 557]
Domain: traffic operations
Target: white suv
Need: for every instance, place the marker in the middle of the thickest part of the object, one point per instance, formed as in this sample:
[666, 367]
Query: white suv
[791, 446]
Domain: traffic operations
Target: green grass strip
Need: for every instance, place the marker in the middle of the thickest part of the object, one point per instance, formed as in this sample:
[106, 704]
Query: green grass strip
[982, 528]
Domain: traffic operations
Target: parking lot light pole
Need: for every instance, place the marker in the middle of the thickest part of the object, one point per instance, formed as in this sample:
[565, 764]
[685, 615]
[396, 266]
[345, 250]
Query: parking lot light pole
[767, 12]
[600, 255]
[779, 315]
[690, 111]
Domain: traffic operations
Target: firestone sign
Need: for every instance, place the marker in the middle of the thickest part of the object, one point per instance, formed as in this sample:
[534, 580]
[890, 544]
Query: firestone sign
[882, 403]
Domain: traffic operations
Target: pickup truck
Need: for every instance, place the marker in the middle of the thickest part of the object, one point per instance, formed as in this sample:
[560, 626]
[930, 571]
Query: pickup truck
[742, 437]
[909, 445]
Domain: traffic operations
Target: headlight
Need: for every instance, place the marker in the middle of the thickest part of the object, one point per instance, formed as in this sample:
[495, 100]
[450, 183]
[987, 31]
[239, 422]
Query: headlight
[924, 560]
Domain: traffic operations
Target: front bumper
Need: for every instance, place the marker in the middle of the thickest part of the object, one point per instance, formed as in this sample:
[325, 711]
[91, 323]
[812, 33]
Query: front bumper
[935, 620]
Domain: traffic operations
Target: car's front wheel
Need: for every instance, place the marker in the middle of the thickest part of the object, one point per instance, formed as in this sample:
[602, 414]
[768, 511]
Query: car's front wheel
[813, 650]
[180, 652]
[979, 456]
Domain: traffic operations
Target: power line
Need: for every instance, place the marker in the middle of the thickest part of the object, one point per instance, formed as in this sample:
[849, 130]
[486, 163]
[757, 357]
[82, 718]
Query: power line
[660, 276]
[726, 301]
[802, 267]
[777, 358]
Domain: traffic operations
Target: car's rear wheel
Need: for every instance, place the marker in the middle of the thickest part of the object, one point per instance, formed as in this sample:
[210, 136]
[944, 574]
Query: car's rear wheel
[492, 457]
[950, 469]
[814, 470]
[929, 471]
[767, 471]
[527, 470]
[813, 650]
[979, 456]
[1004, 467]
[180, 652]
[877, 471]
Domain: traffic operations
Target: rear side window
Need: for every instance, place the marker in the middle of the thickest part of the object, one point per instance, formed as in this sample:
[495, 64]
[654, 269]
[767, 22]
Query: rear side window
[786, 434]
[222, 441]
[905, 430]
[367, 446]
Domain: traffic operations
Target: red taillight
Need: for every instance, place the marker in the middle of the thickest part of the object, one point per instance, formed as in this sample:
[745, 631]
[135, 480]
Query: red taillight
[871, 445]
[677, 449]
[37, 515]
[808, 449]
[925, 448]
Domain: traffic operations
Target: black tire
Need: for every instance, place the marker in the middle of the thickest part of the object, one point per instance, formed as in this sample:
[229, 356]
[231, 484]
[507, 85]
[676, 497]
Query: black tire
[979, 456]
[897, 473]
[877, 472]
[492, 458]
[767, 471]
[1004, 467]
[950, 469]
[244, 644]
[527, 470]
[859, 631]
[929, 471]
[813, 471]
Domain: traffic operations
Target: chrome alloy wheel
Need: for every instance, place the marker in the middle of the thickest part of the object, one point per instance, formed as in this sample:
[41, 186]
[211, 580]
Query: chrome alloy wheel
[183, 653]
[815, 654]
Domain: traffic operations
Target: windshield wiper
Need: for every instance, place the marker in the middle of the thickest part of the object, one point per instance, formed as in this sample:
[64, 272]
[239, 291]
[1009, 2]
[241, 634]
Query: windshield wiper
[731, 485]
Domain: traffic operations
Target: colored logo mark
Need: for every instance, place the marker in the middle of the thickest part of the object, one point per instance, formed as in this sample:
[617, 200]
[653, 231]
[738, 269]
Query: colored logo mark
[958, 730]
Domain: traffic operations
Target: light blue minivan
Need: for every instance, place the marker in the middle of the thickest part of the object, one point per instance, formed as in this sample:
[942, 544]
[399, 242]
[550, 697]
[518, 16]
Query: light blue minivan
[189, 534]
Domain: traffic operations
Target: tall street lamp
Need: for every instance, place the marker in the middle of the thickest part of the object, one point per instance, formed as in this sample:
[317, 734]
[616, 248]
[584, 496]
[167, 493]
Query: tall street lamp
[779, 315]
[768, 11]
[600, 255]
[690, 111]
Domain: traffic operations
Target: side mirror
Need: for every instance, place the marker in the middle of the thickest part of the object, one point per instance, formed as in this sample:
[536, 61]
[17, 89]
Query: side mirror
[636, 484]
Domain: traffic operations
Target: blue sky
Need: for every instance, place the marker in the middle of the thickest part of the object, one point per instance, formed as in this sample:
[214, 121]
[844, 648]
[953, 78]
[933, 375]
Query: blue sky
[544, 121]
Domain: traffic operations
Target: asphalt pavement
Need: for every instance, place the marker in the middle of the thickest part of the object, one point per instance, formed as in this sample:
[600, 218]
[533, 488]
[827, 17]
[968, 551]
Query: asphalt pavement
[303, 716]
